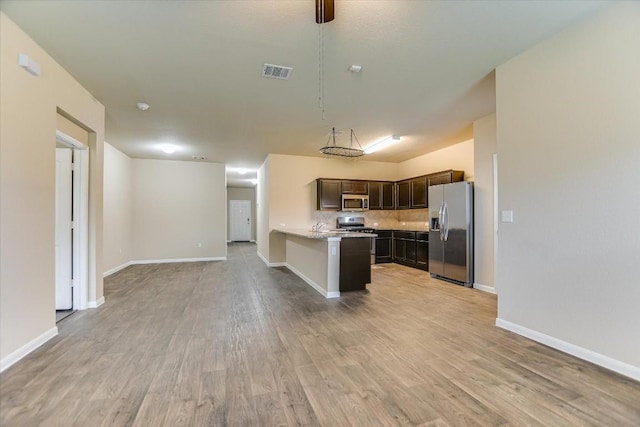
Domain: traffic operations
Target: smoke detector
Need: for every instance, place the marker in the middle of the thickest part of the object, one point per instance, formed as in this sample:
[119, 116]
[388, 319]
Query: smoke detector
[276, 71]
[142, 106]
[355, 68]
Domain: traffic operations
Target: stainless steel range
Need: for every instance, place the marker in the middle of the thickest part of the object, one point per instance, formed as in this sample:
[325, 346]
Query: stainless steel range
[356, 224]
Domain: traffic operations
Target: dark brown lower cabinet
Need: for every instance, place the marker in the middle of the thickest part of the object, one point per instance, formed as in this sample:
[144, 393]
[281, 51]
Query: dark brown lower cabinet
[384, 246]
[410, 248]
[404, 247]
[422, 250]
[355, 264]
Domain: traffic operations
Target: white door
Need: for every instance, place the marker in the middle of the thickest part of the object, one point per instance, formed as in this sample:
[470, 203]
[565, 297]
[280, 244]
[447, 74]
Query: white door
[240, 220]
[64, 201]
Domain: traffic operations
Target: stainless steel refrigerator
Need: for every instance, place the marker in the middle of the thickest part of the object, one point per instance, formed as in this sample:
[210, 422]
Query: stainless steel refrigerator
[451, 232]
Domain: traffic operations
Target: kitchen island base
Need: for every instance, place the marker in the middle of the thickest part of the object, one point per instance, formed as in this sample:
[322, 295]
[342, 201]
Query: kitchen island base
[330, 263]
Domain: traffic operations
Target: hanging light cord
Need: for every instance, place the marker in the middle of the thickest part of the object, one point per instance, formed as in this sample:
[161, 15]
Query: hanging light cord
[321, 59]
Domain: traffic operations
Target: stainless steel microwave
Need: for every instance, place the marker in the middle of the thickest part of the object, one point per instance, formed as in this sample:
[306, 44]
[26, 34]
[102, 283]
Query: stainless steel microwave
[355, 203]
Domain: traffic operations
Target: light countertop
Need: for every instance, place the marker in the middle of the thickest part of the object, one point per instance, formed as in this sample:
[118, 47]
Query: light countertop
[301, 232]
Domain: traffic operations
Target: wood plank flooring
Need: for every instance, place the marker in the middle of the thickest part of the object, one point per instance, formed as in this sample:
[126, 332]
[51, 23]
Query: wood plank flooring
[238, 344]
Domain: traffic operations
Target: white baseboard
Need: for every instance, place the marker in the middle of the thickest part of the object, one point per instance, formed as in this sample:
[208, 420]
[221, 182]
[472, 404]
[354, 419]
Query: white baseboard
[615, 365]
[485, 288]
[96, 304]
[17, 355]
[116, 269]
[165, 261]
[313, 284]
[271, 264]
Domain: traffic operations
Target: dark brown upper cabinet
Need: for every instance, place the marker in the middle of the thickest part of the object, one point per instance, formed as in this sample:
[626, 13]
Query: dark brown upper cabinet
[381, 195]
[403, 194]
[329, 194]
[419, 196]
[445, 177]
[406, 194]
[355, 187]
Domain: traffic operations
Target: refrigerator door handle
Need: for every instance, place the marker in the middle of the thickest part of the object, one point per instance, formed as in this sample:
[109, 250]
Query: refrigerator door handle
[445, 215]
[441, 221]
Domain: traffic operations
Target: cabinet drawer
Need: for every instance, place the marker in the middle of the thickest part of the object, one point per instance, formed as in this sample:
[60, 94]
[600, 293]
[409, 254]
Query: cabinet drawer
[423, 236]
[355, 187]
[384, 233]
[404, 235]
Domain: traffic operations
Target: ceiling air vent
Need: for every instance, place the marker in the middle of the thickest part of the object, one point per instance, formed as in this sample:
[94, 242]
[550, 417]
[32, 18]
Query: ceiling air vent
[276, 71]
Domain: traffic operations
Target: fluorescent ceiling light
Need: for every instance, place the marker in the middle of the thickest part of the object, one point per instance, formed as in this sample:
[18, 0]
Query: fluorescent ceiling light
[168, 148]
[383, 143]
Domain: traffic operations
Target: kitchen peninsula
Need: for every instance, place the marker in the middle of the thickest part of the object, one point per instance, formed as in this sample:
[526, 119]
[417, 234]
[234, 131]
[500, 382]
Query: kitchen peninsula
[329, 261]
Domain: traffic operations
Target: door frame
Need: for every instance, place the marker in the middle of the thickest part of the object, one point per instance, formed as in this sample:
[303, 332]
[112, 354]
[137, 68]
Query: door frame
[496, 222]
[80, 243]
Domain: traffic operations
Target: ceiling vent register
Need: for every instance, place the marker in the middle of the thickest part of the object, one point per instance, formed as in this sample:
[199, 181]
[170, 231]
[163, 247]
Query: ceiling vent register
[276, 71]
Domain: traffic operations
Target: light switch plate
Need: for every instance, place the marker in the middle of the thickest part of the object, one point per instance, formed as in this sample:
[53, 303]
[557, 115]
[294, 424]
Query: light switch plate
[507, 216]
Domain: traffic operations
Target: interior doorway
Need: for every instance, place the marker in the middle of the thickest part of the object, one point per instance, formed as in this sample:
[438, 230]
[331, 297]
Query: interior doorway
[64, 229]
[71, 224]
[240, 220]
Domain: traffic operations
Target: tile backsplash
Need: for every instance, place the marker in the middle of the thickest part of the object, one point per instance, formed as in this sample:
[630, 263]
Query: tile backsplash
[410, 219]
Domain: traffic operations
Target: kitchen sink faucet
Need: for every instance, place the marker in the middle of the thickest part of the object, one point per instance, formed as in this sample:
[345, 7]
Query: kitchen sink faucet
[318, 226]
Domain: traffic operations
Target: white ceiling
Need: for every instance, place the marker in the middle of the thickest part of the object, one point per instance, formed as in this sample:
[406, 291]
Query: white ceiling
[427, 69]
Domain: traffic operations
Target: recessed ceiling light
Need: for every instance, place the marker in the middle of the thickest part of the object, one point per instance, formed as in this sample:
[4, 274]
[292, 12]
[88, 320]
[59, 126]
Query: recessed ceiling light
[143, 106]
[168, 148]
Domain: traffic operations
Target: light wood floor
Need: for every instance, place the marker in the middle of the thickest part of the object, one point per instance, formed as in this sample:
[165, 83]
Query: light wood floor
[237, 343]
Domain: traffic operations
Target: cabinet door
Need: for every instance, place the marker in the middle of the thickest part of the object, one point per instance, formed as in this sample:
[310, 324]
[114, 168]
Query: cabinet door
[446, 177]
[388, 191]
[419, 192]
[383, 249]
[410, 251]
[375, 195]
[329, 195]
[422, 253]
[440, 178]
[399, 249]
[403, 196]
[355, 187]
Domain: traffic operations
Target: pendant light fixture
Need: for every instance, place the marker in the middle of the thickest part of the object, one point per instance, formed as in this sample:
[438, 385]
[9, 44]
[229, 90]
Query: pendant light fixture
[333, 149]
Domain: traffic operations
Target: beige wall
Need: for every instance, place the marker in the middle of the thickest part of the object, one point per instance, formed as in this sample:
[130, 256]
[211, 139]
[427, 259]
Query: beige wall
[485, 145]
[118, 209]
[66, 126]
[242, 193]
[569, 168]
[28, 113]
[456, 157]
[178, 205]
